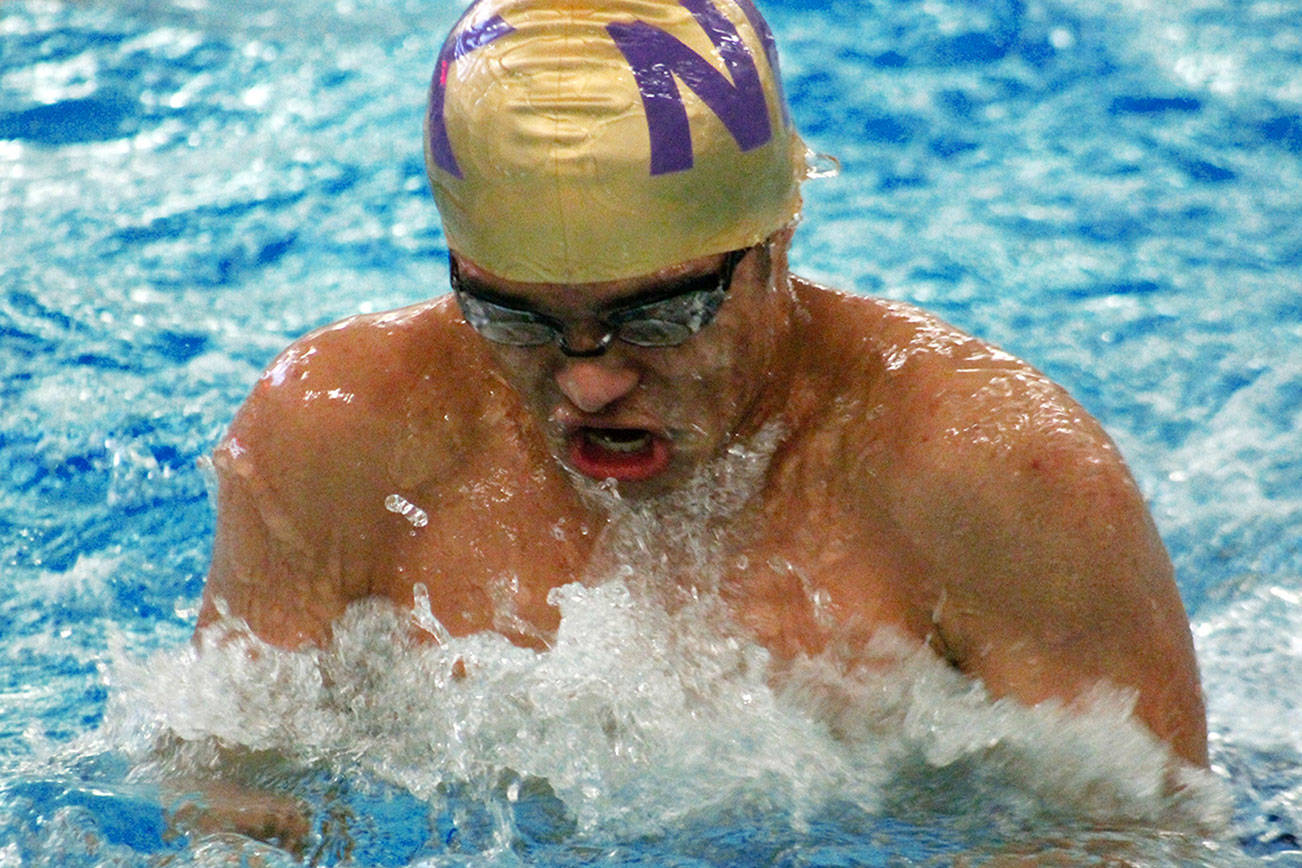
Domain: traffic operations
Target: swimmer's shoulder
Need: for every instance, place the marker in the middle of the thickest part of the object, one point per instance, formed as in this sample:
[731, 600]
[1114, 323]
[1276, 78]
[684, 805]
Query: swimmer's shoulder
[366, 358]
[970, 406]
[961, 428]
[339, 401]
[893, 343]
[980, 452]
[944, 388]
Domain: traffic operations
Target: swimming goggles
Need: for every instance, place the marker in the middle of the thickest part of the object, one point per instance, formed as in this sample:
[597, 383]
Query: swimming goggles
[669, 318]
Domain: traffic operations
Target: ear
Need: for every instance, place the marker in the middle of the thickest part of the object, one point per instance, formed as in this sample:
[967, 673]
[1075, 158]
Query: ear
[782, 238]
[775, 249]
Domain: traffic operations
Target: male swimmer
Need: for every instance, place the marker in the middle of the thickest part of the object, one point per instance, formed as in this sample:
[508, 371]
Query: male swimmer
[618, 182]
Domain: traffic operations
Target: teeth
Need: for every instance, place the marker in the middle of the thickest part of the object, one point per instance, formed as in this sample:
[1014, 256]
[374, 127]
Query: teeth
[620, 441]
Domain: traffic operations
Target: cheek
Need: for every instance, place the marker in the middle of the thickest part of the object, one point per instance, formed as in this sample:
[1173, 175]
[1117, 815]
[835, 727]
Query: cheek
[735, 371]
[524, 372]
[712, 375]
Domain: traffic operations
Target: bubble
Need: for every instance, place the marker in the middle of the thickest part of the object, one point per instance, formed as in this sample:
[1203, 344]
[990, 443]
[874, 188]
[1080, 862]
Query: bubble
[399, 505]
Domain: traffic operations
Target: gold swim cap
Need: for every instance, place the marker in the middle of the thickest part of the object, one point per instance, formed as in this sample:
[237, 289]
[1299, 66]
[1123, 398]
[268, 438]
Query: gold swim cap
[591, 140]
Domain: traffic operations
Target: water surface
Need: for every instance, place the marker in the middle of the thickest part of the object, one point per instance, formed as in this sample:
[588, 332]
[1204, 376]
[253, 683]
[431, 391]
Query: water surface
[1108, 189]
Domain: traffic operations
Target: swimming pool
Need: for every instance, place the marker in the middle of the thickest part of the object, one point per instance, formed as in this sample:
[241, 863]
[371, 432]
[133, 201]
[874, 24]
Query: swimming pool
[1108, 188]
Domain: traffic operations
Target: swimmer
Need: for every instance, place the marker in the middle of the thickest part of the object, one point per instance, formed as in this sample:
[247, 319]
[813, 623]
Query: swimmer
[618, 183]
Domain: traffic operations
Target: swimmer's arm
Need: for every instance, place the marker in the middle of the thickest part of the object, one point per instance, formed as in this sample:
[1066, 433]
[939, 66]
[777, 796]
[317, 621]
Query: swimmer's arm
[290, 550]
[265, 570]
[227, 788]
[201, 807]
[1066, 585]
[1046, 576]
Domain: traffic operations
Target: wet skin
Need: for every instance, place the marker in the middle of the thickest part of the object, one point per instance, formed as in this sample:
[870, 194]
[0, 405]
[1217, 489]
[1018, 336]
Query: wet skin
[925, 482]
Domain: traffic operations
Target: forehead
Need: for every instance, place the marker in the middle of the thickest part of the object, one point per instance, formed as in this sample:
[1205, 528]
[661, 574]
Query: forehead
[580, 297]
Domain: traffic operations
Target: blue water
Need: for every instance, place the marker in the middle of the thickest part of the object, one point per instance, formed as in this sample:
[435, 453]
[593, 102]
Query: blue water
[1108, 188]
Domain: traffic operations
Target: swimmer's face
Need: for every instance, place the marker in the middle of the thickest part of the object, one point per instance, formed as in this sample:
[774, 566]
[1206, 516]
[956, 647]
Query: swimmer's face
[646, 416]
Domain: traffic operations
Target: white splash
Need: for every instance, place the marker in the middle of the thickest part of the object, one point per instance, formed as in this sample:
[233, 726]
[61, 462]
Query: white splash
[639, 719]
[399, 505]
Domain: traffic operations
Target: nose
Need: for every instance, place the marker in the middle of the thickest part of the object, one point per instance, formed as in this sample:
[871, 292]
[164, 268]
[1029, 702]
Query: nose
[594, 384]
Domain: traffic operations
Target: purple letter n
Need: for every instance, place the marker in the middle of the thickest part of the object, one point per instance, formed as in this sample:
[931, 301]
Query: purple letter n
[656, 57]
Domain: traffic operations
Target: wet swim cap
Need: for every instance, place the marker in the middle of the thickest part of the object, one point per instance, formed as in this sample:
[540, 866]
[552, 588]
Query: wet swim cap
[592, 140]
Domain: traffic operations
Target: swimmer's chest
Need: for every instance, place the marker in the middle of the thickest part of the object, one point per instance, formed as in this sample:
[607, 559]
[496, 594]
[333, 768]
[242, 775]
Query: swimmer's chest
[488, 557]
[816, 577]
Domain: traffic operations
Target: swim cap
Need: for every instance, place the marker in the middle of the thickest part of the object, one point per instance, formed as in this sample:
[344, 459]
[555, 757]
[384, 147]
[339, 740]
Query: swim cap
[592, 140]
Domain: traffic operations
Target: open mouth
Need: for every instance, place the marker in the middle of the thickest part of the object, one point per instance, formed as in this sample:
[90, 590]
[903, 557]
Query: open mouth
[622, 454]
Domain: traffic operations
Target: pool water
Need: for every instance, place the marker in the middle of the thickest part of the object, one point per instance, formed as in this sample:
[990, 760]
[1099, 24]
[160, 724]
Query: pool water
[1108, 188]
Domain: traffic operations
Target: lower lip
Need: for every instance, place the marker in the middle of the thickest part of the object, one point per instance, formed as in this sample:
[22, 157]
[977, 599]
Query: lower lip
[590, 458]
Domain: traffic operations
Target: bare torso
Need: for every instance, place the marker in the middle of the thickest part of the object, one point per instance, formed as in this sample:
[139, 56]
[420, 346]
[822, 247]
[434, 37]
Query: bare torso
[921, 480]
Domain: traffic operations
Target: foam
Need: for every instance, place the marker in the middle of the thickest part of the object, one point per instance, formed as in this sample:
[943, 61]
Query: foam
[639, 719]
